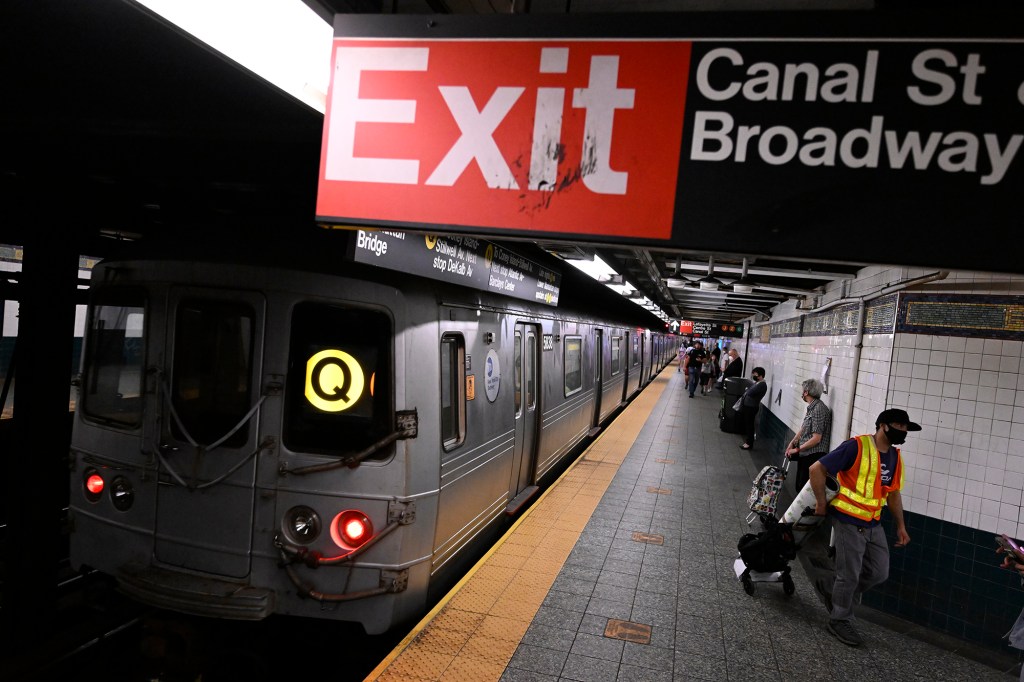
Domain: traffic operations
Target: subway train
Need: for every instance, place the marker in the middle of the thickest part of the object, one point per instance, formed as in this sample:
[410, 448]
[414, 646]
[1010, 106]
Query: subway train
[292, 432]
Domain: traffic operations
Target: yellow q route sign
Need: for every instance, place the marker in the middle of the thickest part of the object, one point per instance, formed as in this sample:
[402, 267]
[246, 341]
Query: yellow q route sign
[334, 380]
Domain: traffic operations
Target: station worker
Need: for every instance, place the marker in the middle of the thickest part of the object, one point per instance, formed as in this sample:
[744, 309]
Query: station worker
[870, 474]
[812, 439]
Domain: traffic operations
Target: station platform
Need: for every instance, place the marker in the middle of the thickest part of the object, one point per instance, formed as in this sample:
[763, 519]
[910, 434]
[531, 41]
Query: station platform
[623, 570]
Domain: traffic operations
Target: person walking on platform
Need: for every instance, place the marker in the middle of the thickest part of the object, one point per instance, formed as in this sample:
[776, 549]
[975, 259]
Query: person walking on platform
[695, 357]
[750, 404]
[682, 357]
[870, 474]
[812, 439]
[707, 374]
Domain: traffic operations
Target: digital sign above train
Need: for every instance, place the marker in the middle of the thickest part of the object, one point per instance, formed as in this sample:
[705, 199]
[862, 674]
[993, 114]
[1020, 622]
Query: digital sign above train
[458, 259]
[708, 329]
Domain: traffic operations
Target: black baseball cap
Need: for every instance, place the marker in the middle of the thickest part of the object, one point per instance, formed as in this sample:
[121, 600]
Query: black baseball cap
[895, 416]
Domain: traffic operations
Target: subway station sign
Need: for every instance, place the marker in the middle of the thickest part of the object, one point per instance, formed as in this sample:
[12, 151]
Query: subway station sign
[773, 132]
[708, 329]
[459, 259]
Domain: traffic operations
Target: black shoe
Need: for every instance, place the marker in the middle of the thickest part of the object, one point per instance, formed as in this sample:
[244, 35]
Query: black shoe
[845, 632]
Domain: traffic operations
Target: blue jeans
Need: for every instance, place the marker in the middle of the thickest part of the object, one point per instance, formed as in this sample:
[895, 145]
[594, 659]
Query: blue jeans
[692, 379]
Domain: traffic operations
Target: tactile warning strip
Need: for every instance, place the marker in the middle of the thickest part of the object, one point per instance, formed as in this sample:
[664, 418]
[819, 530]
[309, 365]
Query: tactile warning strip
[473, 632]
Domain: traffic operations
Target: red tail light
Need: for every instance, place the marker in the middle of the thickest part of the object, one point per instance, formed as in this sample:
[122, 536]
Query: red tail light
[93, 485]
[351, 529]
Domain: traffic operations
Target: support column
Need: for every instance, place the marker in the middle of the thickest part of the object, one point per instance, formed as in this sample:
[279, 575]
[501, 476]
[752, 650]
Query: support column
[36, 462]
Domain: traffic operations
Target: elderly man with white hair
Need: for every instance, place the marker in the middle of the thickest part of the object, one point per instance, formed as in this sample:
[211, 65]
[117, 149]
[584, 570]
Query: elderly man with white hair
[812, 439]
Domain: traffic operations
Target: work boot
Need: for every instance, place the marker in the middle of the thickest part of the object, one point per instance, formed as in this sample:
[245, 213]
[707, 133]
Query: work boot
[845, 632]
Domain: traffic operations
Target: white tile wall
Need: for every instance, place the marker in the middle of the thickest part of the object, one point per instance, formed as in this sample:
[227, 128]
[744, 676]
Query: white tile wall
[967, 464]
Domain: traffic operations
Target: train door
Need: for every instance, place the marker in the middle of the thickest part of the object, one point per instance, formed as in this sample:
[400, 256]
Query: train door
[209, 391]
[643, 358]
[598, 375]
[526, 385]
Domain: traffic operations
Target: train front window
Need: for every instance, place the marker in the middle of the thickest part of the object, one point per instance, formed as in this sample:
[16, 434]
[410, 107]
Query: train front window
[212, 378]
[115, 357]
[338, 399]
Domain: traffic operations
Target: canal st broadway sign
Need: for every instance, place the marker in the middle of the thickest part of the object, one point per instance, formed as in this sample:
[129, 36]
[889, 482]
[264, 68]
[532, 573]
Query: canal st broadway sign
[784, 133]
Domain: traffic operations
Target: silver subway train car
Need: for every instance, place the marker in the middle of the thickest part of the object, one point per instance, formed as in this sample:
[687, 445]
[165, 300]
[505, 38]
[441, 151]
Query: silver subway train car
[255, 438]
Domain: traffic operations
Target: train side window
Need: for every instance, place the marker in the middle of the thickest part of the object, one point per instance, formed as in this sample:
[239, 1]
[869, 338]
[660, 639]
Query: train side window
[636, 349]
[213, 361]
[338, 399]
[573, 364]
[616, 355]
[453, 396]
[114, 364]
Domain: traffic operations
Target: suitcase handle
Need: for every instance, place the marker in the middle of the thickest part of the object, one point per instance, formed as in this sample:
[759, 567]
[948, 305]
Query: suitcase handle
[786, 461]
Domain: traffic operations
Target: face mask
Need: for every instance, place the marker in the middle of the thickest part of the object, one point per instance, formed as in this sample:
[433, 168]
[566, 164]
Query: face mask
[895, 436]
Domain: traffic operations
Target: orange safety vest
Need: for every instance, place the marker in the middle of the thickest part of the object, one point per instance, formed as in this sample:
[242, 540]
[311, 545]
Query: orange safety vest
[861, 493]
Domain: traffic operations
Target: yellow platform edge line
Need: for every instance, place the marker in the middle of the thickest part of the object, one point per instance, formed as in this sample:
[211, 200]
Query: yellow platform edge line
[425, 621]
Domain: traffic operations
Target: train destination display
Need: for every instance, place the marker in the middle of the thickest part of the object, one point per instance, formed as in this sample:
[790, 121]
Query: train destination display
[625, 129]
[459, 259]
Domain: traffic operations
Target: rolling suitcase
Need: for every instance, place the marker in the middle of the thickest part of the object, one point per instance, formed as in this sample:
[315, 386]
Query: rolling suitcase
[764, 493]
[765, 557]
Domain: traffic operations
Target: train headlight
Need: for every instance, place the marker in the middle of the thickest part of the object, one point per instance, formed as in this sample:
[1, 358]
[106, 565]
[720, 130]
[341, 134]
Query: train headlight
[122, 494]
[93, 484]
[351, 529]
[301, 525]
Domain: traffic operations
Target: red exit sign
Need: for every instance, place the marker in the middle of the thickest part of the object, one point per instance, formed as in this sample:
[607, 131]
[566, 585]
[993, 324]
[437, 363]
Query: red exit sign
[566, 136]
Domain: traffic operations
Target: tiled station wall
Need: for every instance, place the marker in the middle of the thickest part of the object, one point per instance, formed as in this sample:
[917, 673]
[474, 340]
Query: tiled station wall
[949, 351]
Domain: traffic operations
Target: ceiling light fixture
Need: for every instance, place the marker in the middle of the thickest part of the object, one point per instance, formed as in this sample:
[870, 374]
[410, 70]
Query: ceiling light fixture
[677, 281]
[710, 283]
[743, 285]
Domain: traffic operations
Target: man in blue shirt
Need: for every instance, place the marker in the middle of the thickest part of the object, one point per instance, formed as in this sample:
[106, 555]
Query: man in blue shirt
[870, 475]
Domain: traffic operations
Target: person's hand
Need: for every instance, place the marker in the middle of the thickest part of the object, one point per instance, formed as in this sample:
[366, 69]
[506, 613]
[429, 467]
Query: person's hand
[902, 537]
[820, 509]
[1010, 561]
[791, 452]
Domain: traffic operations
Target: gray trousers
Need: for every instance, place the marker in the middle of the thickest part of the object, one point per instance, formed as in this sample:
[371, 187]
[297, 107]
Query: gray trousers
[862, 561]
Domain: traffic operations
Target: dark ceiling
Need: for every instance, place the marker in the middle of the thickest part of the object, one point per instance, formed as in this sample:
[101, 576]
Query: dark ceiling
[115, 124]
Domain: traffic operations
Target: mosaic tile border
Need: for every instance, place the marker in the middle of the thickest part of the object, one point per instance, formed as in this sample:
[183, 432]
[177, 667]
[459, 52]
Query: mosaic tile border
[879, 318]
[976, 316]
